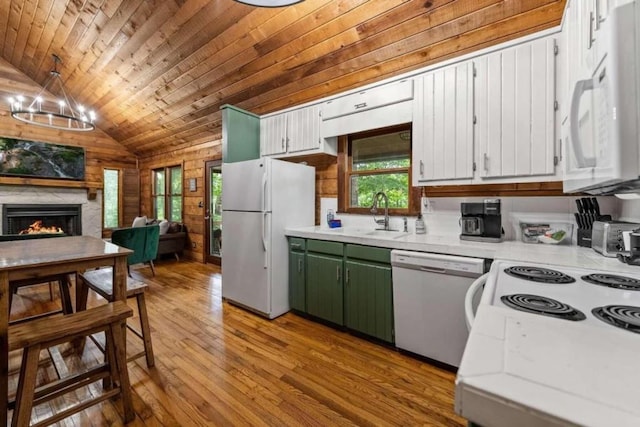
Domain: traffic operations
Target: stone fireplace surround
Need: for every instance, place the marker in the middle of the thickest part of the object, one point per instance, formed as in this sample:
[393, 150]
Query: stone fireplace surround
[91, 209]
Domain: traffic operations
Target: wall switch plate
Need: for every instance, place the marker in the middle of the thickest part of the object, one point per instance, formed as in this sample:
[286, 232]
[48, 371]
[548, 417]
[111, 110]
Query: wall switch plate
[193, 244]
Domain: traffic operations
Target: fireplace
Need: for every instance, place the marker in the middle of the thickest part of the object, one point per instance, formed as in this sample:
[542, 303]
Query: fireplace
[16, 218]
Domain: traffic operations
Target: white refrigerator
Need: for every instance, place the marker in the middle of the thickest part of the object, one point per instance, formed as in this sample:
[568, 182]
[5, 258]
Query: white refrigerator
[260, 198]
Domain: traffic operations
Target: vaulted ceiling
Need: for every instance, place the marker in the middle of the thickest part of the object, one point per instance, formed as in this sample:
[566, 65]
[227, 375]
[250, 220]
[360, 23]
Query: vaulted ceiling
[157, 71]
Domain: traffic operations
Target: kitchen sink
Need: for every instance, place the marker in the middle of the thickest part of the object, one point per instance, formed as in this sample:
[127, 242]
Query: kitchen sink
[387, 234]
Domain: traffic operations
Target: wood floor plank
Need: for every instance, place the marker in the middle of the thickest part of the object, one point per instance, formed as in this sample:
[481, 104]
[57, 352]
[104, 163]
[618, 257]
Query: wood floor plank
[217, 364]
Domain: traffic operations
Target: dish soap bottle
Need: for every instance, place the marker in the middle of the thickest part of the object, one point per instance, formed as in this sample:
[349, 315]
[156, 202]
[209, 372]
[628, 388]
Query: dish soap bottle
[421, 228]
[329, 217]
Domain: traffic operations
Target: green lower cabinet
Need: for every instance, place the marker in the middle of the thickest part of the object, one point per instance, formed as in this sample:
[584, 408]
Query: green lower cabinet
[368, 299]
[297, 283]
[324, 287]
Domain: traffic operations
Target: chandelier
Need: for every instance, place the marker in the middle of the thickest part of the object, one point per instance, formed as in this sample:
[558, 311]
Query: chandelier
[269, 3]
[62, 114]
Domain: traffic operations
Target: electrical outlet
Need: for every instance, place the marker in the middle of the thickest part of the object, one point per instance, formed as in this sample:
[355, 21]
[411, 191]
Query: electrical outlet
[426, 205]
[193, 244]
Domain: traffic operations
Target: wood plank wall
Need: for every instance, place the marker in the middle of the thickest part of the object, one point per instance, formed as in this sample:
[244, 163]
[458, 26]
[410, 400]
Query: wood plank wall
[192, 161]
[100, 149]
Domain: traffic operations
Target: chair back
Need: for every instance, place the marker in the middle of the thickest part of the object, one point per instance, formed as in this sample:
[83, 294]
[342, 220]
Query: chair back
[143, 241]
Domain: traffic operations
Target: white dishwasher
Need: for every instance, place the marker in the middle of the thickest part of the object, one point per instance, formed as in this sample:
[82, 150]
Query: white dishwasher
[429, 302]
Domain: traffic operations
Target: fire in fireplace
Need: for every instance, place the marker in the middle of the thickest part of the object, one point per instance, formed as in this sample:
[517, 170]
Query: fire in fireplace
[38, 228]
[41, 219]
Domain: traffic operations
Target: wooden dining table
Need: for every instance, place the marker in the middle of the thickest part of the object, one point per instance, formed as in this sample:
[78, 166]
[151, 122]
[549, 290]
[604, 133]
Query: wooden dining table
[35, 258]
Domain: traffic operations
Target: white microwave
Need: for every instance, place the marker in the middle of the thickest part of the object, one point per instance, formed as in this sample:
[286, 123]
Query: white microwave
[602, 133]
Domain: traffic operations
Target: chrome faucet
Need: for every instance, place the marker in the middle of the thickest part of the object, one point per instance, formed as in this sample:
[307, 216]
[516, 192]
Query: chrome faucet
[374, 209]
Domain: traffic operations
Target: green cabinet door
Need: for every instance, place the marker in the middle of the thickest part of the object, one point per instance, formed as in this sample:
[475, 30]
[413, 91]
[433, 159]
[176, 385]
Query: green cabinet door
[240, 135]
[297, 284]
[324, 287]
[368, 299]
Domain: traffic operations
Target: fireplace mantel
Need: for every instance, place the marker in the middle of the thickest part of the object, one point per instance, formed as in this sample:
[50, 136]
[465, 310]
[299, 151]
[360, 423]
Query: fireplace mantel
[91, 187]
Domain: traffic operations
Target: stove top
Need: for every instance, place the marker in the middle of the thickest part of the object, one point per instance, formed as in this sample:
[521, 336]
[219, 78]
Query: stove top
[567, 293]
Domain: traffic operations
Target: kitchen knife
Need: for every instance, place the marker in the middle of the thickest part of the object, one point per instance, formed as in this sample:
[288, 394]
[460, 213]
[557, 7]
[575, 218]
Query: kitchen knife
[596, 207]
[579, 220]
[580, 207]
[589, 210]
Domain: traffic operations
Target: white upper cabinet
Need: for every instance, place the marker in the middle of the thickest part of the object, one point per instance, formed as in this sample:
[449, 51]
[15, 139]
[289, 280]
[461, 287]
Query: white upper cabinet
[442, 142]
[273, 134]
[376, 107]
[515, 111]
[368, 99]
[295, 132]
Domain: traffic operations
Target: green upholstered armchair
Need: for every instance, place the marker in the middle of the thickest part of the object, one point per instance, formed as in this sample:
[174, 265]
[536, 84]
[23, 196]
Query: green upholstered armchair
[143, 241]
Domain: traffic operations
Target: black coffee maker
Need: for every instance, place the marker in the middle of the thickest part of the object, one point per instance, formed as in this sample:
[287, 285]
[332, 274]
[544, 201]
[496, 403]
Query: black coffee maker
[481, 221]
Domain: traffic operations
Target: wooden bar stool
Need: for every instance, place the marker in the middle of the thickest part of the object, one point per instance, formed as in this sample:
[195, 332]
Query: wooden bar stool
[44, 333]
[101, 282]
[64, 283]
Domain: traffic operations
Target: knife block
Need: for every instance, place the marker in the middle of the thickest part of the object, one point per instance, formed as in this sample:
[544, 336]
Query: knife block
[583, 237]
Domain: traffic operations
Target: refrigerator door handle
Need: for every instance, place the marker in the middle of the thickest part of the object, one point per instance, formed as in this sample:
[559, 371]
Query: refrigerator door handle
[264, 192]
[264, 238]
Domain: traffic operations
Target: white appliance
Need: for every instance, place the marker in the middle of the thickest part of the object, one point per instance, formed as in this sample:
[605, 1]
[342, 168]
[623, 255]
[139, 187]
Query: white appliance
[260, 198]
[558, 349]
[428, 301]
[602, 134]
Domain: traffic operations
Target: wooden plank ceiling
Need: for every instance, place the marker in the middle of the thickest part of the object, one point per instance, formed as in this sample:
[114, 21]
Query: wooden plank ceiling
[157, 71]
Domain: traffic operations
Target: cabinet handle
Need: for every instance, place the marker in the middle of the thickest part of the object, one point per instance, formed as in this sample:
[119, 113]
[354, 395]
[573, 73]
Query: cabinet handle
[346, 279]
[361, 105]
[598, 17]
[486, 162]
[337, 273]
[421, 168]
[287, 144]
[299, 266]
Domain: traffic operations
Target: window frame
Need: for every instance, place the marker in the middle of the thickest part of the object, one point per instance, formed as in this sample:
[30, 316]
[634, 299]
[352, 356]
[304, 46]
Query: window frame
[119, 196]
[168, 194]
[345, 173]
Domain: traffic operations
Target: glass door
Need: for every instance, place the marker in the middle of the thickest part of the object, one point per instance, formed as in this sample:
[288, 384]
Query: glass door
[213, 217]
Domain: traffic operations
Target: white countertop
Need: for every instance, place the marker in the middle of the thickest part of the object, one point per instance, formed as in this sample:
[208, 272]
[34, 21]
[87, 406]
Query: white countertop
[565, 373]
[561, 254]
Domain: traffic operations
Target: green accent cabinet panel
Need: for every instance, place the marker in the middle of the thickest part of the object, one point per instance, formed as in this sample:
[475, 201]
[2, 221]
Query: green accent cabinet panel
[369, 299]
[240, 135]
[324, 287]
[297, 278]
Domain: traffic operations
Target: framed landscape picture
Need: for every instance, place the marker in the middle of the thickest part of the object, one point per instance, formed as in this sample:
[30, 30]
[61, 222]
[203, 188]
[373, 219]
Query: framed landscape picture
[19, 157]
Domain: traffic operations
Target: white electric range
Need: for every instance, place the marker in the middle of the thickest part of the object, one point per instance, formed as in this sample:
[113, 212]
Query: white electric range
[553, 345]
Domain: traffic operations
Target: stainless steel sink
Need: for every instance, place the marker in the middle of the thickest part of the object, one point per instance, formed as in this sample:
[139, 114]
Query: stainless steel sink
[387, 234]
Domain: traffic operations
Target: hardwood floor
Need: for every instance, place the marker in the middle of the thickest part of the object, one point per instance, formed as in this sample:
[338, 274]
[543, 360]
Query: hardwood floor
[217, 364]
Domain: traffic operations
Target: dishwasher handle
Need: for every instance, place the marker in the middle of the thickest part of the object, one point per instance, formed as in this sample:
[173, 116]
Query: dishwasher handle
[475, 287]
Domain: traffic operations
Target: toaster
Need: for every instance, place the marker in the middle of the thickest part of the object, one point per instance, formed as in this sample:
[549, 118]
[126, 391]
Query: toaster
[606, 236]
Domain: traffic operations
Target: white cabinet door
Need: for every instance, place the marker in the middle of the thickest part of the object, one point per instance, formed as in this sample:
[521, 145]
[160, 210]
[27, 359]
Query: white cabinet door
[443, 125]
[514, 105]
[379, 96]
[303, 129]
[273, 135]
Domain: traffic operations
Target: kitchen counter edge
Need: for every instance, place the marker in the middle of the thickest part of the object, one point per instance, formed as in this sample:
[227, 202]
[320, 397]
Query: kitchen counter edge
[560, 255]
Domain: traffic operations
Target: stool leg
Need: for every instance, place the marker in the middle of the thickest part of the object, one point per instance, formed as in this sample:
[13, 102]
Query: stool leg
[153, 268]
[146, 330]
[82, 293]
[26, 386]
[118, 331]
[65, 295]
